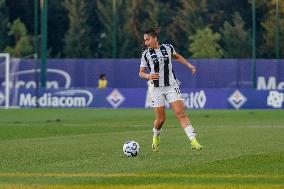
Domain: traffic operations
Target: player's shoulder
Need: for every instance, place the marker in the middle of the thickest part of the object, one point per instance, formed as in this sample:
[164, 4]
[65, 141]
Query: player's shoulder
[144, 52]
[145, 55]
[170, 47]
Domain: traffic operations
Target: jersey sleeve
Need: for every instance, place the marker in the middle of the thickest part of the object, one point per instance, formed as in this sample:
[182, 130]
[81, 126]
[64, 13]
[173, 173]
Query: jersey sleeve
[173, 51]
[143, 60]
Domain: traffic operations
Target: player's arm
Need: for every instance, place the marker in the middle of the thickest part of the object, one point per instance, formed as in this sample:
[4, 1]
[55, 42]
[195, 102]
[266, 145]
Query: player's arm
[144, 75]
[183, 61]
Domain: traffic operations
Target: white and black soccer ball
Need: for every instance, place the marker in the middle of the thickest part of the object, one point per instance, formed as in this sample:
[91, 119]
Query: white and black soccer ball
[131, 148]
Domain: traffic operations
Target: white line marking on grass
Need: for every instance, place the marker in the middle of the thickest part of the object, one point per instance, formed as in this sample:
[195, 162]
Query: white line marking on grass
[145, 175]
[144, 186]
[266, 126]
[247, 126]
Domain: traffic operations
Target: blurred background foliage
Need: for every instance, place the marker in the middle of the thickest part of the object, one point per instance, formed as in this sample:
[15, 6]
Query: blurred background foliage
[196, 28]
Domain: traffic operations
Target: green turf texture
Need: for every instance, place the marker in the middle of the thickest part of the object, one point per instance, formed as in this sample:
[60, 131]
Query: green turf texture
[83, 147]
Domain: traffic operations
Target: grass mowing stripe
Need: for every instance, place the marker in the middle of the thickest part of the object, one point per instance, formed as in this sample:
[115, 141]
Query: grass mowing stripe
[147, 186]
[164, 175]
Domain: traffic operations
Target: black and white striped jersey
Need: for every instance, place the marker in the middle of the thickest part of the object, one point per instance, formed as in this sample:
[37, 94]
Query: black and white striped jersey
[160, 61]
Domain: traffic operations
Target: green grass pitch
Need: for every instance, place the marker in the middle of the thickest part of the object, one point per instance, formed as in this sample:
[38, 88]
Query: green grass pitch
[82, 148]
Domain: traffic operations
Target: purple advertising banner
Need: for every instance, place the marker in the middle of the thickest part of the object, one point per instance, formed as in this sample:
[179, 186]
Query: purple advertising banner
[138, 98]
[213, 86]
[123, 73]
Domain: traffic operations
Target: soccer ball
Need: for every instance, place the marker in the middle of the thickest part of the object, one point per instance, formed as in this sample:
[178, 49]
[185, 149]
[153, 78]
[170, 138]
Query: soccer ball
[131, 148]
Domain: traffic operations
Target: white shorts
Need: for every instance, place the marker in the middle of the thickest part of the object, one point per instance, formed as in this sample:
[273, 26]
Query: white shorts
[161, 94]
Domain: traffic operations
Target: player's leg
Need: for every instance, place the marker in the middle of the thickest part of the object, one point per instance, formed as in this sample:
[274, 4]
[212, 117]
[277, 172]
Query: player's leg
[179, 109]
[158, 123]
[160, 117]
[159, 109]
[177, 105]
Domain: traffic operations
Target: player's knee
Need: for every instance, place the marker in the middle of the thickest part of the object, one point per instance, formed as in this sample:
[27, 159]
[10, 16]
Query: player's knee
[181, 115]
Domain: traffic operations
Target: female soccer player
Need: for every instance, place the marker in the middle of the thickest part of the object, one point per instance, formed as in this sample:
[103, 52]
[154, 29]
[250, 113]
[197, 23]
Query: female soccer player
[158, 58]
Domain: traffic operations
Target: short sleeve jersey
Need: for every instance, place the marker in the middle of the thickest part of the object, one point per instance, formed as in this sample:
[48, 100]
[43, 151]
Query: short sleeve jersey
[160, 61]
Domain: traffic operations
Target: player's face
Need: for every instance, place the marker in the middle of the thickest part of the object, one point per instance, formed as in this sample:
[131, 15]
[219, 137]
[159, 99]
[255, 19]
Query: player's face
[150, 41]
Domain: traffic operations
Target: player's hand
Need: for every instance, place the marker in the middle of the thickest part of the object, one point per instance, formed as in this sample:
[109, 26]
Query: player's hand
[193, 69]
[154, 76]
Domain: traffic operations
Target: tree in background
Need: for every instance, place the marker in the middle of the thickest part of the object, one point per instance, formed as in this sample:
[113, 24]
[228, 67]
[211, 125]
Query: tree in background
[3, 25]
[269, 26]
[77, 41]
[143, 14]
[58, 25]
[132, 17]
[178, 19]
[96, 28]
[236, 40]
[24, 11]
[23, 46]
[188, 19]
[205, 44]
[135, 26]
[220, 11]
[105, 16]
